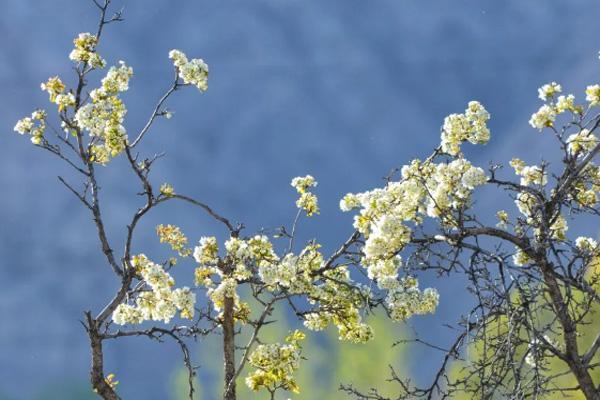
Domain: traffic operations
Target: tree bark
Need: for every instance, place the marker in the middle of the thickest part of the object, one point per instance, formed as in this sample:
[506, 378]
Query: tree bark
[229, 349]
[578, 367]
[101, 387]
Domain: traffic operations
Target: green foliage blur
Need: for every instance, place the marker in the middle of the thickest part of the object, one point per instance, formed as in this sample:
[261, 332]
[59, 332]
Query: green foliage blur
[329, 362]
[552, 366]
[61, 390]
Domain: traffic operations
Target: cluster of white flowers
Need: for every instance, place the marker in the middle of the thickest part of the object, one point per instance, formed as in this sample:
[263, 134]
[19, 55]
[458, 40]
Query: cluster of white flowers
[173, 236]
[207, 252]
[558, 229]
[237, 249]
[502, 219]
[586, 190]
[351, 329]
[592, 94]
[529, 206]
[333, 297]
[530, 175]
[85, 51]
[338, 299]
[520, 258]
[349, 202]
[388, 235]
[167, 190]
[34, 126]
[316, 321]
[193, 72]
[543, 118]
[116, 80]
[470, 126]
[282, 273]
[577, 144]
[158, 302]
[127, 314]
[261, 249]
[103, 117]
[589, 248]
[308, 201]
[303, 183]
[275, 364]
[240, 254]
[549, 91]
[581, 142]
[449, 186]
[227, 288]
[586, 244]
[407, 300]
[567, 103]
[385, 272]
[55, 88]
[546, 115]
[335, 301]
[65, 100]
[426, 189]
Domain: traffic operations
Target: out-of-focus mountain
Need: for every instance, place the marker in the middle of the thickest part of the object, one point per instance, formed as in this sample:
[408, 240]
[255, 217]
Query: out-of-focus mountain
[342, 89]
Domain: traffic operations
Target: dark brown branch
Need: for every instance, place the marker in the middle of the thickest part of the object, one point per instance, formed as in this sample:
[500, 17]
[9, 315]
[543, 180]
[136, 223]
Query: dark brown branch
[157, 110]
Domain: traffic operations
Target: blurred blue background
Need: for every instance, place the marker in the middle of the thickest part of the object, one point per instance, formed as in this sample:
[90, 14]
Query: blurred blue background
[342, 89]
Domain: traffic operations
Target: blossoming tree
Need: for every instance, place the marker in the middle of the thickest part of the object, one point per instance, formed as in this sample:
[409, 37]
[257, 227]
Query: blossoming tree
[534, 330]
[527, 276]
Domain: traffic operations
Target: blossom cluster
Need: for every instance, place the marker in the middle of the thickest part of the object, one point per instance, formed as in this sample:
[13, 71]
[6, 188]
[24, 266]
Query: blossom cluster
[555, 104]
[173, 236]
[544, 117]
[502, 216]
[85, 51]
[529, 205]
[406, 300]
[582, 142]
[386, 216]
[56, 91]
[530, 174]
[157, 302]
[307, 201]
[103, 116]
[167, 190]
[549, 91]
[243, 256]
[192, 72]
[470, 126]
[221, 282]
[590, 251]
[592, 95]
[587, 245]
[335, 297]
[584, 189]
[275, 364]
[207, 252]
[34, 126]
[426, 189]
